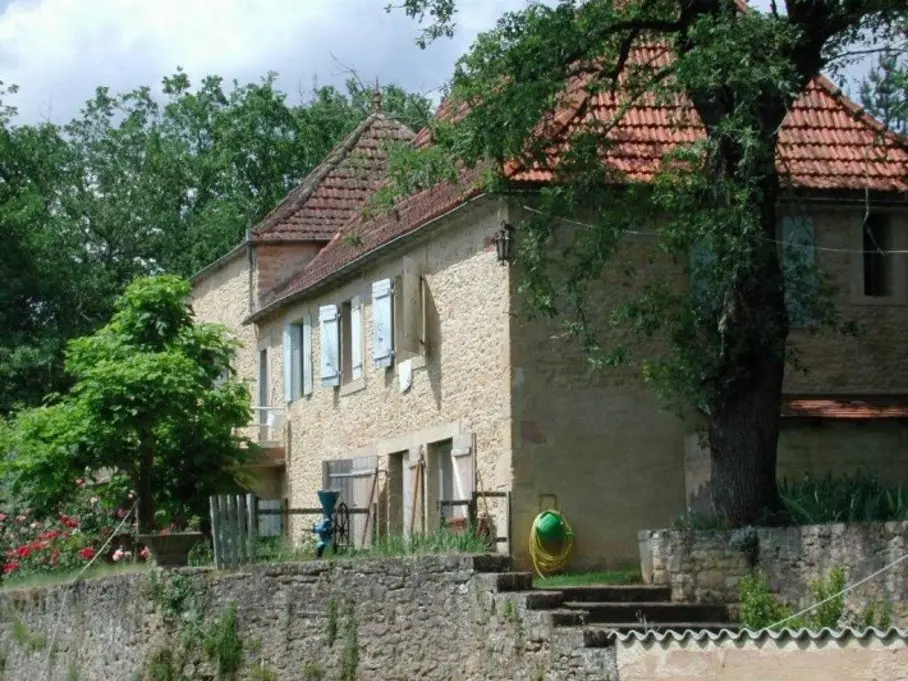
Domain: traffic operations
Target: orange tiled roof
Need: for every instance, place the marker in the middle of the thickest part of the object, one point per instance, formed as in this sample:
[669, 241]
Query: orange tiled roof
[846, 408]
[336, 190]
[826, 143]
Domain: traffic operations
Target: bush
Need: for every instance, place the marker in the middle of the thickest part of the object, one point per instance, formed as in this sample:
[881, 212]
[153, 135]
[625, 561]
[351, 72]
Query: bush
[761, 609]
[852, 498]
[67, 540]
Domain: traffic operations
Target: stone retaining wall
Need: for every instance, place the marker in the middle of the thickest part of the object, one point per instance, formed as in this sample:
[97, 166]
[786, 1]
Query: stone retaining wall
[704, 567]
[394, 619]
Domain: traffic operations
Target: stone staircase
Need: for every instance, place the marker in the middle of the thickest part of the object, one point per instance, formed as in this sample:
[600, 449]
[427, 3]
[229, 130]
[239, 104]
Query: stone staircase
[599, 611]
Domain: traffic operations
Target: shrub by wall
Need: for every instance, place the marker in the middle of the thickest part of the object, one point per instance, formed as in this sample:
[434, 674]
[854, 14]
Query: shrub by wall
[707, 566]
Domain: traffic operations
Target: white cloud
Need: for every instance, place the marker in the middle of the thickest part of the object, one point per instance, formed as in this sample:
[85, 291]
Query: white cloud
[59, 50]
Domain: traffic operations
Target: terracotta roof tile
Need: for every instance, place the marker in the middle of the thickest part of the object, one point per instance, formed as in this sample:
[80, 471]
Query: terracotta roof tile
[360, 237]
[332, 193]
[846, 408]
[826, 143]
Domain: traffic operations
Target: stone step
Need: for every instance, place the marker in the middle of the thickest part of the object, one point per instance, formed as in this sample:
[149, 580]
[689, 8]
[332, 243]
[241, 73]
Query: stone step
[617, 593]
[544, 600]
[658, 613]
[514, 581]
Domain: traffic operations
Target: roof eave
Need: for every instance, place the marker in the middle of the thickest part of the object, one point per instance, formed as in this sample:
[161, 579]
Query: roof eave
[362, 259]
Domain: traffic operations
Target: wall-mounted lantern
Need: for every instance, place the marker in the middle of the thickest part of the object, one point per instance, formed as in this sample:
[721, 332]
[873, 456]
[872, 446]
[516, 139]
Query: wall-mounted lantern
[504, 242]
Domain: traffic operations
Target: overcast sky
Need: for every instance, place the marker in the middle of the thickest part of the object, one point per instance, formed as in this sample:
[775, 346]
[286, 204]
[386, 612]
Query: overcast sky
[58, 51]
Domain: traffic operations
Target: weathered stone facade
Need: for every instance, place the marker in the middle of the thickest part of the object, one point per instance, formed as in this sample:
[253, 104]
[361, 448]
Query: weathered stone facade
[704, 567]
[524, 404]
[430, 617]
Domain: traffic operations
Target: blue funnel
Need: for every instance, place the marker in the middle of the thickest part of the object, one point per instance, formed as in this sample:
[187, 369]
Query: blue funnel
[328, 500]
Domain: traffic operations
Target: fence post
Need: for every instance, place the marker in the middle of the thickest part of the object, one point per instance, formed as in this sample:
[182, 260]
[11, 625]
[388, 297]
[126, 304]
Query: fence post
[231, 531]
[252, 524]
[216, 531]
[242, 548]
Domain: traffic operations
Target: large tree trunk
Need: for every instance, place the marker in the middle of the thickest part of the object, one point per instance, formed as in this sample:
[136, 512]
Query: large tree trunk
[746, 406]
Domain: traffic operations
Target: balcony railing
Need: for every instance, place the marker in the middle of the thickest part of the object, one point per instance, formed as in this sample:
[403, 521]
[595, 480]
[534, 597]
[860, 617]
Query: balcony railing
[269, 424]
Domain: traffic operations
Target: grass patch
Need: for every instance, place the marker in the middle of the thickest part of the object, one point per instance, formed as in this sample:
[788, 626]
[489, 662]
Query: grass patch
[440, 542]
[56, 578]
[628, 575]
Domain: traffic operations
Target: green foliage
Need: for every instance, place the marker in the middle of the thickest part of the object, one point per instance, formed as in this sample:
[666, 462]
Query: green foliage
[30, 641]
[146, 404]
[719, 345]
[884, 92]
[331, 630]
[350, 651]
[223, 646]
[143, 182]
[853, 498]
[761, 609]
[312, 671]
[173, 593]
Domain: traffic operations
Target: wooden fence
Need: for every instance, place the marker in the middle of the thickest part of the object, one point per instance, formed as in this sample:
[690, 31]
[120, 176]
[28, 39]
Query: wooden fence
[234, 529]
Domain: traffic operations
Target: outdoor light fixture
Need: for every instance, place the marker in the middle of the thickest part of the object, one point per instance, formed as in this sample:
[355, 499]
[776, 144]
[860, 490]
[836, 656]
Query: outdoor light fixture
[504, 241]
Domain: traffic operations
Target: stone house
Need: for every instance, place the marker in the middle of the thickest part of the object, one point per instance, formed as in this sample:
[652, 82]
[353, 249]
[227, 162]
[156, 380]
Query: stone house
[387, 356]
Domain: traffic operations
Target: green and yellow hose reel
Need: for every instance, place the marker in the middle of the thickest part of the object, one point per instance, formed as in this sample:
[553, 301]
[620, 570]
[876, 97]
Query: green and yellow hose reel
[551, 539]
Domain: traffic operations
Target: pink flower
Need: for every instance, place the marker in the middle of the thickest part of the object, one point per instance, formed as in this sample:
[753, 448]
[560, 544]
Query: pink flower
[69, 522]
[87, 553]
[2, 517]
[20, 518]
[80, 482]
[11, 566]
[144, 554]
[117, 555]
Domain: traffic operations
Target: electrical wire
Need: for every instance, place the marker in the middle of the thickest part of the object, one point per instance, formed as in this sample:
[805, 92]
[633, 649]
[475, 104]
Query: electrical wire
[787, 244]
[547, 561]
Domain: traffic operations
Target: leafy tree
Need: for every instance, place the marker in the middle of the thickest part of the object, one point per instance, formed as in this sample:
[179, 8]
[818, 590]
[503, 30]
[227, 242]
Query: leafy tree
[884, 92]
[148, 406]
[723, 345]
[142, 183]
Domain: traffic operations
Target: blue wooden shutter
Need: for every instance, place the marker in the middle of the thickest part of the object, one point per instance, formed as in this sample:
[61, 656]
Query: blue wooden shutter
[296, 365]
[287, 363]
[382, 323]
[356, 338]
[330, 344]
[307, 355]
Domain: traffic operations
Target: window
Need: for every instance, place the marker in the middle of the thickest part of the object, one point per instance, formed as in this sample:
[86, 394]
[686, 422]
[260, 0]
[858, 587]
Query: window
[351, 340]
[297, 359]
[399, 317]
[799, 269]
[329, 340]
[877, 264]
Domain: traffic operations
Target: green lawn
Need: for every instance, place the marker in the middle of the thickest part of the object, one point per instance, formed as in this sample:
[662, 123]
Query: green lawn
[55, 578]
[629, 575]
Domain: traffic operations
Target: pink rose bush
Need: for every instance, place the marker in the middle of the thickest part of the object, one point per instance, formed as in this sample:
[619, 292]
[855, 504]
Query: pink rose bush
[69, 540]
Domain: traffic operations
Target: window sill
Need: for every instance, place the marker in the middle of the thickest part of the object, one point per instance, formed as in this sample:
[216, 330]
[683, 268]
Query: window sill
[352, 387]
[894, 301]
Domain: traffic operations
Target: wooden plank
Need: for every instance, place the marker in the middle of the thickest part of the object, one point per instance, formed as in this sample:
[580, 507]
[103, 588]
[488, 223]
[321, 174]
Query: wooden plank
[222, 531]
[231, 532]
[369, 505]
[242, 546]
[215, 530]
[252, 523]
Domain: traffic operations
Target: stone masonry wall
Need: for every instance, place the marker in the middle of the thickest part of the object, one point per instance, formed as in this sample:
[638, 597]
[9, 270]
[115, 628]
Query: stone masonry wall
[460, 389]
[394, 619]
[703, 566]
